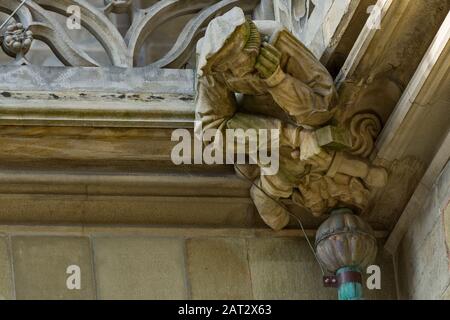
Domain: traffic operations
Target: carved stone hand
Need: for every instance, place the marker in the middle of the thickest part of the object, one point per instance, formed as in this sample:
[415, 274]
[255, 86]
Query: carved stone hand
[268, 60]
[320, 162]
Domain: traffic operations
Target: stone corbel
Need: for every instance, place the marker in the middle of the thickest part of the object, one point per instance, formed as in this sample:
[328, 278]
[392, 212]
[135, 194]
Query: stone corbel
[326, 170]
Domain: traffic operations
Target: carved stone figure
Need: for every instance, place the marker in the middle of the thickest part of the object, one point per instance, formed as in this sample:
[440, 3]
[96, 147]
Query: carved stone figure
[255, 75]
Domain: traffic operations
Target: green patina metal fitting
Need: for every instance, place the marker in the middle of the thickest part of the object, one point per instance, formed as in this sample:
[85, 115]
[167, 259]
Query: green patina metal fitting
[350, 290]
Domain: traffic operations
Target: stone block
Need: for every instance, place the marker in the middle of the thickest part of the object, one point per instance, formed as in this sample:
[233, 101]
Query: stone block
[285, 269]
[388, 289]
[443, 186]
[139, 268]
[218, 269]
[433, 274]
[446, 295]
[41, 262]
[424, 221]
[446, 220]
[6, 281]
[405, 268]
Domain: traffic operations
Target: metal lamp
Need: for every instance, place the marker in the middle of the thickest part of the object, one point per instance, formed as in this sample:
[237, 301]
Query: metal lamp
[345, 245]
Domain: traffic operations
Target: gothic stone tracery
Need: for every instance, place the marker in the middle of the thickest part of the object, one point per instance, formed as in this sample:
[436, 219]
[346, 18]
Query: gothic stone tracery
[48, 21]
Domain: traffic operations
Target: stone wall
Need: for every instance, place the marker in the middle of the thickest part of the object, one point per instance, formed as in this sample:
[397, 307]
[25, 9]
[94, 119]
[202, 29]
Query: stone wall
[124, 263]
[422, 260]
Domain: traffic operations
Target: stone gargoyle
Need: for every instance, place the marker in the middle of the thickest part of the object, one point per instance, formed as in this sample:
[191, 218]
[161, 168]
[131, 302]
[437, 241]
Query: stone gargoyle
[254, 75]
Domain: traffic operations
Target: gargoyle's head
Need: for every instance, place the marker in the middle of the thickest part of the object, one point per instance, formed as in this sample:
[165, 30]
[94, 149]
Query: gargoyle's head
[229, 45]
[239, 53]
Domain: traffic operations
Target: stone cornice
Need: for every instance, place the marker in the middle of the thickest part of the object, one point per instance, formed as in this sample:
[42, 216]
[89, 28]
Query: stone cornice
[185, 232]
[90, 79]
[96, 97]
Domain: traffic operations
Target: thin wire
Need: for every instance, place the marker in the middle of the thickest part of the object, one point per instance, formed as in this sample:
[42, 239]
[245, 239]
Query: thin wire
[291, 214]
[12, 14]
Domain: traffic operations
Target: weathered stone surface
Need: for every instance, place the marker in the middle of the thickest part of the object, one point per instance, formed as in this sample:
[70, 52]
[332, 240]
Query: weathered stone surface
[128, 210]
[165, 210]
[446, 219]
[412, 132]
[264, 11]
[443, 186]
[82, 144]
[422, 257]
[424, 222]
[139, 268]
[322, 25]
[38, 209]
[423, 265]
[6, 280]
[446, 295]
[285, 269]
[137, 262]
[40, 265]
[433, 276]
[115, 80]
[405, 270]
[218, 269]
[388, 289]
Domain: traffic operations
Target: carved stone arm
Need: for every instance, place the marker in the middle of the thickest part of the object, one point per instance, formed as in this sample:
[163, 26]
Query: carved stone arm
[215, 104]
[216, 108]
[289, 134]
[299, 100]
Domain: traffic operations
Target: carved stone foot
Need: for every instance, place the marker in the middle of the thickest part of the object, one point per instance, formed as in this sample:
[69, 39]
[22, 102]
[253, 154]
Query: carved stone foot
[271, 212]
[377, 177]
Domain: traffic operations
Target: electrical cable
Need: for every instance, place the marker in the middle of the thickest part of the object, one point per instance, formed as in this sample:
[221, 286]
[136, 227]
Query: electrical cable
[12, 14]
[279, 203]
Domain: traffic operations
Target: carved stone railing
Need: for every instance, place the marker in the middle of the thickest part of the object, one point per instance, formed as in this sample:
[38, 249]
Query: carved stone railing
[320, 25]
[34, 21]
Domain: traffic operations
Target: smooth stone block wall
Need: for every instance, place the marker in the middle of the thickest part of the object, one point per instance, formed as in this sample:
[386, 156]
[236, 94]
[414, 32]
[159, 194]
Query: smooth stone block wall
[6, 281]
[146, 263]
[423, 256]
[41, 262]
[140, 268]
[285, 269]
[218, 269]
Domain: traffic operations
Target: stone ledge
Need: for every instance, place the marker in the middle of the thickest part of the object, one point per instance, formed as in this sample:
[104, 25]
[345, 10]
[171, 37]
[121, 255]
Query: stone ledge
[164, 111]
[227, 184]
[96, 97]
[105, 79]
[186, 232]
